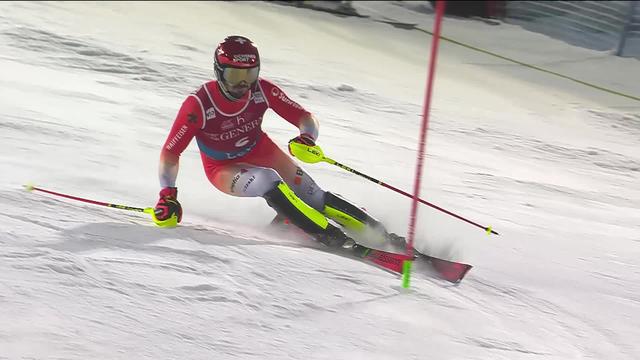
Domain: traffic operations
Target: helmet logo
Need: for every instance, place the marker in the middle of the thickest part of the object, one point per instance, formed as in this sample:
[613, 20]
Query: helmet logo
[244, 57]
[240, 40]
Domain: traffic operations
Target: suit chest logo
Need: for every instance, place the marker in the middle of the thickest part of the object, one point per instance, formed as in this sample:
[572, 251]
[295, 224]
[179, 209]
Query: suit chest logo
[235, 127]
[211, 113]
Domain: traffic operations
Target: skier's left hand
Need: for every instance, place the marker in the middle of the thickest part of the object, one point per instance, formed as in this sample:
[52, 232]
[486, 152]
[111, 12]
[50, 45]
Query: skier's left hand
[304, 148]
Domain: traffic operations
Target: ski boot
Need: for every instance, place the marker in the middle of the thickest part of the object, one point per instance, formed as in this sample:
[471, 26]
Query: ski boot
[396, 240]
[334, 237]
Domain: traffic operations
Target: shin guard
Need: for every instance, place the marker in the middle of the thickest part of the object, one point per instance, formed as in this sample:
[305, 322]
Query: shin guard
[285, 202]
[282, 199]
[347, 214]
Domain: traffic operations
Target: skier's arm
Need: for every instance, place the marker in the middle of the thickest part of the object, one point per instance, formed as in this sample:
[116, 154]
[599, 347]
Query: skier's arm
[290, 110]
[184, 128]
[309, 126]
[168, 211]
[168, 169]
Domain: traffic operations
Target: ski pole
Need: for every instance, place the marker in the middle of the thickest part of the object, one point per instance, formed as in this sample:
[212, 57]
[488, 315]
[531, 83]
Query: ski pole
[344, 167]
[148, 210]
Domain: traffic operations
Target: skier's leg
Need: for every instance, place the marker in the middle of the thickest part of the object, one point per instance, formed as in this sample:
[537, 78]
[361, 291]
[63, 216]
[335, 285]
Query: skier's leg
[268, 154]
[333, 206]
[359, 222]
[346, 213]
[247, 180]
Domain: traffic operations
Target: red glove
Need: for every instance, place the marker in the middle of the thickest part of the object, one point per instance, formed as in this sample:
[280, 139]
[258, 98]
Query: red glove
[168, 204]
[302, 139]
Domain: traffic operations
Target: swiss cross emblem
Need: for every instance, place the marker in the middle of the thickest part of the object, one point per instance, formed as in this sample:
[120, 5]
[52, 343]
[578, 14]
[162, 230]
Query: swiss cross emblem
[241, 41]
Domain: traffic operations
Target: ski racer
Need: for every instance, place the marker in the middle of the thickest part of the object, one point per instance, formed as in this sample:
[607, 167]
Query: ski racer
[239, 159]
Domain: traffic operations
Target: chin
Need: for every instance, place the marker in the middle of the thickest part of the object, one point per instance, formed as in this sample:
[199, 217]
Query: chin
[238, 94]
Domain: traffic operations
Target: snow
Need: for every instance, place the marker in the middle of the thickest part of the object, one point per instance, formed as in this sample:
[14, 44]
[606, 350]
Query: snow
[89, 90]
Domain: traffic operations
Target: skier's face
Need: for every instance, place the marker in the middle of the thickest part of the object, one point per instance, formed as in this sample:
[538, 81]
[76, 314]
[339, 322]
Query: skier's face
[238, 90]
[238, 81]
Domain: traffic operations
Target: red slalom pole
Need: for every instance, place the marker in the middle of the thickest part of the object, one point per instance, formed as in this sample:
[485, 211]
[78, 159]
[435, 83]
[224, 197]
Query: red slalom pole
[94, 202]
[440, 4]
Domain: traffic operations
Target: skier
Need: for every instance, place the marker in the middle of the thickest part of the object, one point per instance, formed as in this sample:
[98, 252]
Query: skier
[225, 117]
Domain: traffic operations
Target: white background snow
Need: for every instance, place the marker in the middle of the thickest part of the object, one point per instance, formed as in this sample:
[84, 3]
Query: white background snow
[88, 92]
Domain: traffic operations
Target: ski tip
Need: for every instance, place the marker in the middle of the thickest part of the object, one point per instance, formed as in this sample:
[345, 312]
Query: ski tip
[29, 187]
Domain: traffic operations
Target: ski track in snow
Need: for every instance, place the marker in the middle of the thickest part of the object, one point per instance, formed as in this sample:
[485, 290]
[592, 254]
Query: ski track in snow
[79, 281]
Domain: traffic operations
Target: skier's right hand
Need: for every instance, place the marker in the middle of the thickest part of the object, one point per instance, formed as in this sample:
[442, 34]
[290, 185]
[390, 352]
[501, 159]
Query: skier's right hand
[168, 211]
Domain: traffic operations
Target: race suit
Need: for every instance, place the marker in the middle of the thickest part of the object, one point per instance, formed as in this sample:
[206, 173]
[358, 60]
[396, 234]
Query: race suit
[238, 157]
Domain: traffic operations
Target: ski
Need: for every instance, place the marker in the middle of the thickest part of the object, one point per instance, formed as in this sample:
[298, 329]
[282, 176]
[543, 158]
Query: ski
[387, 260]
[451, 271]
[445, 269]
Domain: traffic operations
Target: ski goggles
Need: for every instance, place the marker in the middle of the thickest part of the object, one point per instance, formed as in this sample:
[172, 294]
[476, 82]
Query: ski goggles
[234, 76]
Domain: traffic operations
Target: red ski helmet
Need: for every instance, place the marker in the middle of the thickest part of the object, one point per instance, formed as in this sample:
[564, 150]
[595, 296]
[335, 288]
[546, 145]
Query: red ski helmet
[237, 65]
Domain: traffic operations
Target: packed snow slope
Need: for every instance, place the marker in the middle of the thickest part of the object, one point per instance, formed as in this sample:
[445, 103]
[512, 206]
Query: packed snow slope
[88, 92]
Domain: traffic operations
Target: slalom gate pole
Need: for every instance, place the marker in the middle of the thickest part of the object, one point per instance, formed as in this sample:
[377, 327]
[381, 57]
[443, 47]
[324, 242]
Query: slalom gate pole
[148, 210]
[488, 229]
[423, 138]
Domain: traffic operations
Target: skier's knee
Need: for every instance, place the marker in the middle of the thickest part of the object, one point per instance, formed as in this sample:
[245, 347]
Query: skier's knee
[255, 181]
[306, 188]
